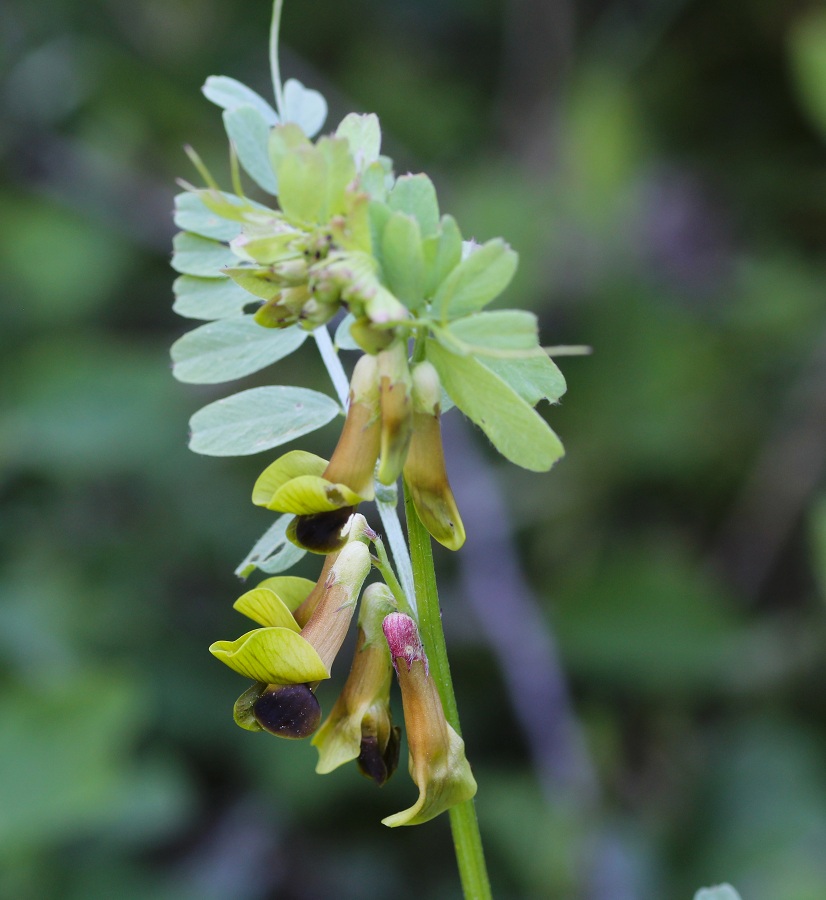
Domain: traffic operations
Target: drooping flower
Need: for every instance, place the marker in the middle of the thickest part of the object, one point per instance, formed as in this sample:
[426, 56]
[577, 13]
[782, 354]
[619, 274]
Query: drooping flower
[323, 495]
[424, 469]
[360, 726]
[396, 410]
[285, 654]
[437, 754]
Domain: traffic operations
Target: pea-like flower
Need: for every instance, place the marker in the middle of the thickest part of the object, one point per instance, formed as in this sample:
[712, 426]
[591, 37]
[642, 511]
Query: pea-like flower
[286, 659]
[360, 726]
[437, 754]
[323, 495]
[396, 410]
[424, 469]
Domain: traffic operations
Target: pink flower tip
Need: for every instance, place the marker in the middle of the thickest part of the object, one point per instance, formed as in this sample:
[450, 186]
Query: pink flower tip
[403, 639]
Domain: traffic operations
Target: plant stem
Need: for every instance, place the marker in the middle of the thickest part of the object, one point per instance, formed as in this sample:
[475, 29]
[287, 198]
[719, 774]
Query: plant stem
[382, 563]
[464, 826]
[333, 365]
[389, 513]
[274, 64]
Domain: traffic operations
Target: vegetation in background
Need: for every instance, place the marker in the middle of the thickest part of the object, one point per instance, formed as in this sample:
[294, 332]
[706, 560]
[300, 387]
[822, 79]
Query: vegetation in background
[661, 178]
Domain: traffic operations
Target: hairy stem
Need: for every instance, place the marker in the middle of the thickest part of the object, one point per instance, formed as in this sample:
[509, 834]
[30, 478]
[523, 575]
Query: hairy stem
[464, 826]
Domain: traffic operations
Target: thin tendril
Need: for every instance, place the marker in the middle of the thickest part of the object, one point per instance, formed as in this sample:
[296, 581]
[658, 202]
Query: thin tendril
[274, 64]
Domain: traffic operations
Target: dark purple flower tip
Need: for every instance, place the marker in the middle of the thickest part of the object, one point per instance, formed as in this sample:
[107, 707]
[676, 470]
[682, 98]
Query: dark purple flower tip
[320, 532]
[288, 711]
[378, 765]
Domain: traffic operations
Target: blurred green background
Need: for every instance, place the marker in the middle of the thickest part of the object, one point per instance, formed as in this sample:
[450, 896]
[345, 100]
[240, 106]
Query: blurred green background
[660, 165]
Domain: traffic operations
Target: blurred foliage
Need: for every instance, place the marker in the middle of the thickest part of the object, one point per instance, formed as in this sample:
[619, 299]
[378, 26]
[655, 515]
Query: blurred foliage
[662, 173]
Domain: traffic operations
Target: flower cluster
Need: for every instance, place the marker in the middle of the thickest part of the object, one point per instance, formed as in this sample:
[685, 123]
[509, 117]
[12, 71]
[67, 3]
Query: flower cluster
[313, 256]
[303, 626]
[348, 239]
[394, 414]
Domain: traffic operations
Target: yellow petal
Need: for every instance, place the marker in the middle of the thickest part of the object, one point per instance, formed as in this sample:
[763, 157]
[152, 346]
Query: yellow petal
[266, 608]
[310, 494]
[273, 656]
[290, 465]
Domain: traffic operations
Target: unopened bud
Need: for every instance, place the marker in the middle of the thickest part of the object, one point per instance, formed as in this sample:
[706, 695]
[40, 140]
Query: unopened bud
[396, 410]
[437, 754]
[292, 271]
[284, 309]
[314, 313]
[370, 338]
[424, 469]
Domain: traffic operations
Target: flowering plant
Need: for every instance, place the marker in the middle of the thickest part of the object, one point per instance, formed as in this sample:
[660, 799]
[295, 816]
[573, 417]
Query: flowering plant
[349, 243]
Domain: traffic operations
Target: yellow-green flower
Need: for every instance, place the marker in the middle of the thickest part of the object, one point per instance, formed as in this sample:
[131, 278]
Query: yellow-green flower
[424, 470]
[323, 495]
[396, 410]
[437, 754]
[284, 653]
[360, 726]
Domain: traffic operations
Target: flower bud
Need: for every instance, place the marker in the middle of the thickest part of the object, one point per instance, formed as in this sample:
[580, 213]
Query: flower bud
[396, 410]
[315, 313]
[360, 726]
[383, 307]
[291, 271]
[437, 754]
[370, 338]
[424, 469]
[284, 309]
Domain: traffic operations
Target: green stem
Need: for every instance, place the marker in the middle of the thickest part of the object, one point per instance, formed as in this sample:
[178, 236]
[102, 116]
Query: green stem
[387, 503]
[275, 67]
[464, 826]
[382, 563]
